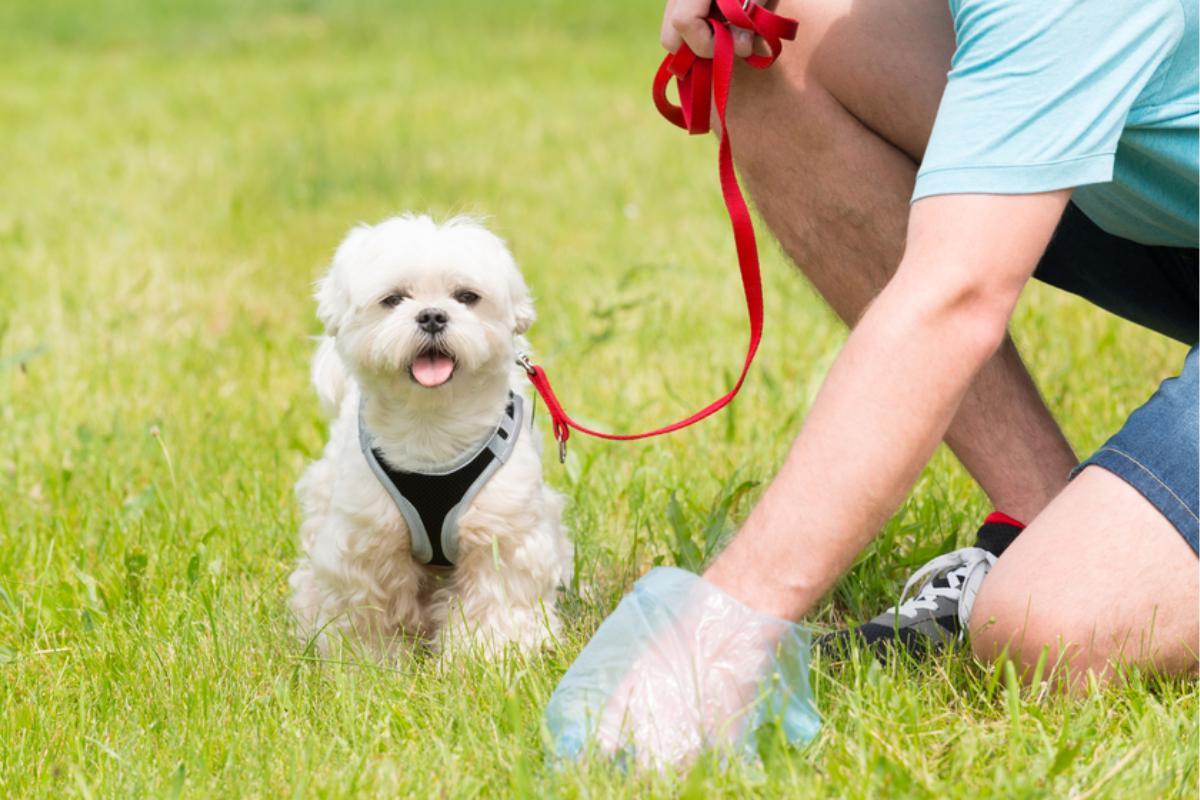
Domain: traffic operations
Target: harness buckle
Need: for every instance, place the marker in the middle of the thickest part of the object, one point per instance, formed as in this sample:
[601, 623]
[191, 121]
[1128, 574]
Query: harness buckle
[525, 364]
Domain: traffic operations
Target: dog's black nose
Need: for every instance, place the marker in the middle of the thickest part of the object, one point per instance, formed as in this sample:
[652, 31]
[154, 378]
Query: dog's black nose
[432, 320]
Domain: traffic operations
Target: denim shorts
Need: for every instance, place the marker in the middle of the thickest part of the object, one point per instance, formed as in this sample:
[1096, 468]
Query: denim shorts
[1156, 450]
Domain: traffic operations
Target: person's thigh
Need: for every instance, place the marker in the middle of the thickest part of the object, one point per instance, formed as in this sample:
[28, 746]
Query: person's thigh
[1101, 576]
[884, 61]
[827, 140]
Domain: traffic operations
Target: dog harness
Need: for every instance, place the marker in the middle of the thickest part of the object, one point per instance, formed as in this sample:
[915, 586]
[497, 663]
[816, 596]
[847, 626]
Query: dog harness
[432, 502]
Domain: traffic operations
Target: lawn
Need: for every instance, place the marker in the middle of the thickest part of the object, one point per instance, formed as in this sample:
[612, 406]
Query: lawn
[174, 178]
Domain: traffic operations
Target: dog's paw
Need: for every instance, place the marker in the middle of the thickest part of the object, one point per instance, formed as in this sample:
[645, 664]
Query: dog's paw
[525, 631]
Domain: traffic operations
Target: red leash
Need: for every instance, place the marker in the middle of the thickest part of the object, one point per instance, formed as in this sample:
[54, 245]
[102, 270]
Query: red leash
[702, 83]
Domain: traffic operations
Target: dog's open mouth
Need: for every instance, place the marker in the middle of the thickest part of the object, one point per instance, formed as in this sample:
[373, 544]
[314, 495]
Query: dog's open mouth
[432, 367]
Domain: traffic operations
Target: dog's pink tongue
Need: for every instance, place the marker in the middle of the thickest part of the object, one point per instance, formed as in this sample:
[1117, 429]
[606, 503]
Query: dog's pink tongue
[432, 370]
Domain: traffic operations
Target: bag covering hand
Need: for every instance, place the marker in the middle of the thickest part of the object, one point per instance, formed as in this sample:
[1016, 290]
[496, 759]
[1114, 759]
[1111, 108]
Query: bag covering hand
[680, 667]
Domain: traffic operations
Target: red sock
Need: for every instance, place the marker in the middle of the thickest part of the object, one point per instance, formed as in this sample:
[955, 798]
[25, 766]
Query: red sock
[1001, 517]
[998, 532]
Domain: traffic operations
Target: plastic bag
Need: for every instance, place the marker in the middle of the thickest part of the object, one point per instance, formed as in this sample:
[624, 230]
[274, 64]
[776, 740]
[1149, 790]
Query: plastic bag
[680, 667]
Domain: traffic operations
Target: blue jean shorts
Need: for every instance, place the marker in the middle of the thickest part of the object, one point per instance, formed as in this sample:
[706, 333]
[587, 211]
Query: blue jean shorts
[1156, 450]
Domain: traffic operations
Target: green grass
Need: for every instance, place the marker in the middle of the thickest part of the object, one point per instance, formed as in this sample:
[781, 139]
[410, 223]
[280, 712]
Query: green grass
[175, 176]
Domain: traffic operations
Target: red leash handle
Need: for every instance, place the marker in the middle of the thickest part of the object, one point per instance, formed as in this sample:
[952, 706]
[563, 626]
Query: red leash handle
[703, 84]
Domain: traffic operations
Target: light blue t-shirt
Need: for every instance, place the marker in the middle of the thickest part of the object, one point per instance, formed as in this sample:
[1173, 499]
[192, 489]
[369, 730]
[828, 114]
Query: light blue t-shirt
[1095, 94]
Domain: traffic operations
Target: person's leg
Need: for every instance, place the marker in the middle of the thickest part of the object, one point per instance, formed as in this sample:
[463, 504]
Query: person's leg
[1099, 576]
[828, 141]
[1108, 571]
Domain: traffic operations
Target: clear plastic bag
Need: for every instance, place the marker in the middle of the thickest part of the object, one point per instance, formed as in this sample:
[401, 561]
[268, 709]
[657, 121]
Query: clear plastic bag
[680, 667]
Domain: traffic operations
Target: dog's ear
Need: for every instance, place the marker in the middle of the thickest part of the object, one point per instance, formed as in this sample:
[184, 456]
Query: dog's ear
[522, 305]
[331, 303]
[329, 376]
[333, 299]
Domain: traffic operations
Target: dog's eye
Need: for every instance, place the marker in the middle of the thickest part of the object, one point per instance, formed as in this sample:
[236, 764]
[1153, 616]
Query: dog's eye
[394, 299]
[466, 297]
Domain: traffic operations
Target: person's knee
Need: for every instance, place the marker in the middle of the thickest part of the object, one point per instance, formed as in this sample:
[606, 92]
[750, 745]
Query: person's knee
[998, 619]
[1010, 620]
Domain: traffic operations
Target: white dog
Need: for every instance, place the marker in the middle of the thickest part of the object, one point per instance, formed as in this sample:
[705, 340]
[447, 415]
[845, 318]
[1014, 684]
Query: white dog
[426, 517]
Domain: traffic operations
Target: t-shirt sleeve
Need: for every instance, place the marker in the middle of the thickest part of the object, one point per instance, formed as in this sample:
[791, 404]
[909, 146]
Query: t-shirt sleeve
[1039, 91]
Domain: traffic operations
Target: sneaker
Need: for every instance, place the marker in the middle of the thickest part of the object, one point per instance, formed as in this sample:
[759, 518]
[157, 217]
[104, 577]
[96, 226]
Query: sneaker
[935, 606]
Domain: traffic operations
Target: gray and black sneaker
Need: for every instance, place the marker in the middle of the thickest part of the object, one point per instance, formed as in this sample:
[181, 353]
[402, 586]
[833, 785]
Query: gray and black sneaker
[935, 606]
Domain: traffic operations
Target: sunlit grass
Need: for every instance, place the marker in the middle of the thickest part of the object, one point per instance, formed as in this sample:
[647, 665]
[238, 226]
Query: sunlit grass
[175, 176]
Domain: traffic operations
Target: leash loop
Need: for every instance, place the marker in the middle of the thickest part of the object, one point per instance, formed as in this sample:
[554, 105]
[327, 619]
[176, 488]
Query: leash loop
[703, 87]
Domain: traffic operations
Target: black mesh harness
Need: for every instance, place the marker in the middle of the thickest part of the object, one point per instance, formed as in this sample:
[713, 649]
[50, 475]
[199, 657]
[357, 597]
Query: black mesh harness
[434, 501]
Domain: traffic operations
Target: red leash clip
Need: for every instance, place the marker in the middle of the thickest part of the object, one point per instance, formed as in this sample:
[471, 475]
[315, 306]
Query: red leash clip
[703, 84]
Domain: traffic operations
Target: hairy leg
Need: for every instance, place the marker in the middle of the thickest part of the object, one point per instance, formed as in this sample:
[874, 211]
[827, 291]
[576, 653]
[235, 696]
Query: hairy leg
[1099, 577]
[828, 141]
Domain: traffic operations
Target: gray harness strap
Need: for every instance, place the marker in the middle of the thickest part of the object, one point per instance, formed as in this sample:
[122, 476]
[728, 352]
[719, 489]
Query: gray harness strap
[434, 501]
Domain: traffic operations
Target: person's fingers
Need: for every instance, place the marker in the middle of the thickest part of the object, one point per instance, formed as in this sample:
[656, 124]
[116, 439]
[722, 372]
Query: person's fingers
[743, 42]
[668, 36]
[684, 21]
[697, 34]
[757, 45]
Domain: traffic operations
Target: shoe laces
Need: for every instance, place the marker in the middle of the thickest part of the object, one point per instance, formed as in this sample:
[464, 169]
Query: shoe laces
[957, 569]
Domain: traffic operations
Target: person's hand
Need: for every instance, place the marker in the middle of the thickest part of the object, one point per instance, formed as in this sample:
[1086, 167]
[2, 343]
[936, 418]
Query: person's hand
[692, 686]
[684, 21]
[680, 667]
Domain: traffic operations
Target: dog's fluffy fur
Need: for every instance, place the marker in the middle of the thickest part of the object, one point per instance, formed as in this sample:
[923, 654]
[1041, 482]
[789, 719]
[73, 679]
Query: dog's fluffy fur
[356, 575]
